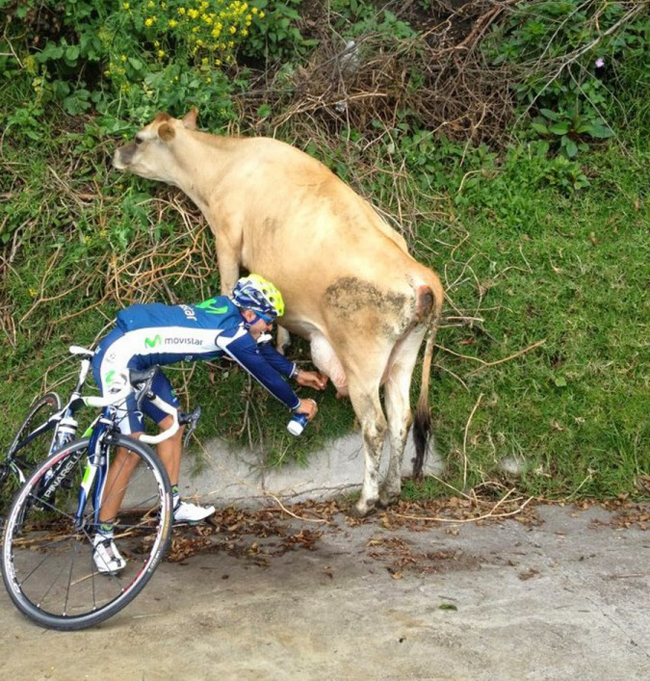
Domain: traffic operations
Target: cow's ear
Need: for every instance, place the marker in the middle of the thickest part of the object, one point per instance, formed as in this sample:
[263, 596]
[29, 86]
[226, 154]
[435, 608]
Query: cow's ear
[166, 132]
[189, 120]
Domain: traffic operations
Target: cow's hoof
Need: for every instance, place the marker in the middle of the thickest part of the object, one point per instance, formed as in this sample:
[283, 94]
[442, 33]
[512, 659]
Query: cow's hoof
[386, 500]
[361, 511]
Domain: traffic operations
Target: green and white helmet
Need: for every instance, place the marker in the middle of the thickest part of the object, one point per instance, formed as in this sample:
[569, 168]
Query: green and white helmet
[256, 293]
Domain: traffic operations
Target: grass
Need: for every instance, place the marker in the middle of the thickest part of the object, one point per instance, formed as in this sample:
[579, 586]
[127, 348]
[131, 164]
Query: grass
[525, 261]
[574, 275]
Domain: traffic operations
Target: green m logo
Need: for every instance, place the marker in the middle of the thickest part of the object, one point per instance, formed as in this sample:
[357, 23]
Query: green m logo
[210, 308]
[152, 342]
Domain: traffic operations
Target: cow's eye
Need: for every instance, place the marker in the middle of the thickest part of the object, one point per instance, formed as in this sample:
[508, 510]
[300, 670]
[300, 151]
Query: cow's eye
[138, 140]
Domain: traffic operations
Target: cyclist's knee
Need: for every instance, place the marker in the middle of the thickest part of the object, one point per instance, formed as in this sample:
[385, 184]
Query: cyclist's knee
[167, 423]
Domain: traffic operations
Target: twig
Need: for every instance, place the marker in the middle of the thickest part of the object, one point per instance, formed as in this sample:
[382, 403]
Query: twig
[469, 420]
[293, 515]
[507, 359]
[491, 514]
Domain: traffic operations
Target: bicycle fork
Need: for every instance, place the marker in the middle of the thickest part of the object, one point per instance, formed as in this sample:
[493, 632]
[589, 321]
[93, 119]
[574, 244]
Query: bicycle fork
[94, 477]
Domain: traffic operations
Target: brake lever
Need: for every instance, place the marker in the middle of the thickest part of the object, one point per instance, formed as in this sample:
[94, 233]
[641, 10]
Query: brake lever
[190, 420]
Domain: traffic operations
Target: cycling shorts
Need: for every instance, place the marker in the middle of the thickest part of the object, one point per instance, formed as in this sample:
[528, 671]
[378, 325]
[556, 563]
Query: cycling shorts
[110, 376]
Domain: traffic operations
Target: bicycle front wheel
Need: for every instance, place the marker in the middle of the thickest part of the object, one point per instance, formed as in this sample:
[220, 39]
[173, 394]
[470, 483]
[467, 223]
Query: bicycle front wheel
[48, 560]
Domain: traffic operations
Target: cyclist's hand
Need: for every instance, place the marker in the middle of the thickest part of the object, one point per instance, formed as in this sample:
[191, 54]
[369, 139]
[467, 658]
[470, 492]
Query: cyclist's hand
[308, 407]
[311, 379]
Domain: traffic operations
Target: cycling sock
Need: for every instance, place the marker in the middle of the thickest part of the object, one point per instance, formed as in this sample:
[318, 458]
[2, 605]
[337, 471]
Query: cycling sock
[176, 496]
[106, 529]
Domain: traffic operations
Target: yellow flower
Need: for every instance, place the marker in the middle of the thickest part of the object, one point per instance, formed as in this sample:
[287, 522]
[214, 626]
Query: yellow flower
[233, 30]
[181, 10]
[254, 10]
[262, 15]
[217, 62]
[208, 79]
[148, 22]
[161, 53]
[151, 4]
[123, 57]
[173, 23]
[244, 32]
[193, 14]
[126, 5]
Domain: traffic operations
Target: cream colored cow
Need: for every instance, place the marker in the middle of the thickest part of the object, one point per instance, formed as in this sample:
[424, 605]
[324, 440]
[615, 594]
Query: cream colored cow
[349, 285]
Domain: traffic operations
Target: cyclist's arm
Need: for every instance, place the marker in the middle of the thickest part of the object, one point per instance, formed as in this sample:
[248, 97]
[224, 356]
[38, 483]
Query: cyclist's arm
[279, 362]
[243, 349]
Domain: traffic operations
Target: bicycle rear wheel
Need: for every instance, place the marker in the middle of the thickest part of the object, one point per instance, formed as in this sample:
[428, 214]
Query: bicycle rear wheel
[47, 558]
[35, 451]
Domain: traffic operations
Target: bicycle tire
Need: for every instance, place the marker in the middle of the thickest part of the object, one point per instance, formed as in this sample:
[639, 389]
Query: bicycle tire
[47, 565]
[43, 408]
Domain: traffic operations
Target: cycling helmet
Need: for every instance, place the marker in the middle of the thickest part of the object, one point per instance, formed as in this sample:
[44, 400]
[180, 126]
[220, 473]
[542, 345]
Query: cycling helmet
[256, 293]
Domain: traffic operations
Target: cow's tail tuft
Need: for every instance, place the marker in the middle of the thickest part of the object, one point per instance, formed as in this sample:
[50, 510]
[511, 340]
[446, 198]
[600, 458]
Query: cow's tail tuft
[422, 422]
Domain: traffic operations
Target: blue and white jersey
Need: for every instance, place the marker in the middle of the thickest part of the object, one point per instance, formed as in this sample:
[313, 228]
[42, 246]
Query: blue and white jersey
[164, 334]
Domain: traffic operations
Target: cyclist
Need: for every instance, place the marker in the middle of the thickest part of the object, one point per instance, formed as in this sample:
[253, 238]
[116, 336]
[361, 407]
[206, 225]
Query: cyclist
[145, 335]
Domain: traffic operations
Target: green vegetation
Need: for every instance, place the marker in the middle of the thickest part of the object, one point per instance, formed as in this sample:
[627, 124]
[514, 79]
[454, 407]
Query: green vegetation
[516, 168]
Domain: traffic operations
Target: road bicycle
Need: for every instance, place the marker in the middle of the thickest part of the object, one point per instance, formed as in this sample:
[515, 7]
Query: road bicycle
[48, 564]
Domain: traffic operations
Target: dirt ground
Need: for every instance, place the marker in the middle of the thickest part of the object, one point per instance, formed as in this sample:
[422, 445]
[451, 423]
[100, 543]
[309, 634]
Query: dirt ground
[560, 593]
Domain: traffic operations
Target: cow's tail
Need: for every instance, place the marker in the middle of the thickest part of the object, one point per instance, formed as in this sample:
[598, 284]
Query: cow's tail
[422, 422]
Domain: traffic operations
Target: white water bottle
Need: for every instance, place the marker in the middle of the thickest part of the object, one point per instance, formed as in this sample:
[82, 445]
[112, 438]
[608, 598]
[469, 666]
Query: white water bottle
[297, 424]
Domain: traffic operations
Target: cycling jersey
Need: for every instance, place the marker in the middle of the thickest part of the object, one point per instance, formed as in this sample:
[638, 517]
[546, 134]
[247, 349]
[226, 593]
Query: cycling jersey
[163, 334]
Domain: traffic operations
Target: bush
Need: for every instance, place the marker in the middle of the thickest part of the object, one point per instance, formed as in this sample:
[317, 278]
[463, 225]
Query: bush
[570, 59]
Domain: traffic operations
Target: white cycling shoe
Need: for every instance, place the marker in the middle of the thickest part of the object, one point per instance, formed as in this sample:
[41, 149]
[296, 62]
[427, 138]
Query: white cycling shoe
[108, 559]
[191, 514]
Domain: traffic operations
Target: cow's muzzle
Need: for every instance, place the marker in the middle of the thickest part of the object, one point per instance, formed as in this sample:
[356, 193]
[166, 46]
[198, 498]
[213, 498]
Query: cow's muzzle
[123, 156]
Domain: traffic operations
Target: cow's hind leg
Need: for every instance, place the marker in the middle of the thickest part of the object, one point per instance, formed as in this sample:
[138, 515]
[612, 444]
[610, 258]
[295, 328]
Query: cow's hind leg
[398, 410]
[367, 407]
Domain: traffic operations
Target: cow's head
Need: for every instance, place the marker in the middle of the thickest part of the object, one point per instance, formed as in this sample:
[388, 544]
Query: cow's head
[151, 154]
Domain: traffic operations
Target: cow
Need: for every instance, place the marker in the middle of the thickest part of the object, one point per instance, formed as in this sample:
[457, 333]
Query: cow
[349, 284]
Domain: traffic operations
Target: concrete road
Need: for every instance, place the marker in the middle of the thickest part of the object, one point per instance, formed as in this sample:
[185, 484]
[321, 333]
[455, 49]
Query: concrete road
[565, 597]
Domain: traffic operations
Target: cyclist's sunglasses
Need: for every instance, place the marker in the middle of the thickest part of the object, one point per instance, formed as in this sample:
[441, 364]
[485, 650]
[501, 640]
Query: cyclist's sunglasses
[267, 318]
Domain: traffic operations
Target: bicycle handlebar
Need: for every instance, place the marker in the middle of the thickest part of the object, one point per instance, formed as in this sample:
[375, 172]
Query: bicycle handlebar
[165, 434]
[113, 398]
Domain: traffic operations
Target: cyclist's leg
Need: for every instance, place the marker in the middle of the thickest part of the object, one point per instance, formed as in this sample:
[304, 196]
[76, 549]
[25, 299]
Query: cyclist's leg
[123, 464]
[110, 370]
[169, 451]
[106, 555]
